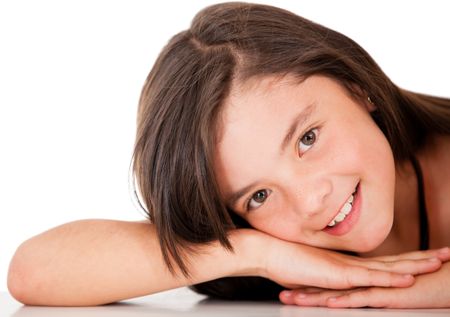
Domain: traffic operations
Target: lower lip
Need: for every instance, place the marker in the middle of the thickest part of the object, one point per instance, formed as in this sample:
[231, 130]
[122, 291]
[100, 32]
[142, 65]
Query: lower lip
[347, 224]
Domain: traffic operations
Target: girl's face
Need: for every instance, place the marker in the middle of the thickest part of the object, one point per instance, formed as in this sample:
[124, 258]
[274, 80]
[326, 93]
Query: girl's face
[291, 155]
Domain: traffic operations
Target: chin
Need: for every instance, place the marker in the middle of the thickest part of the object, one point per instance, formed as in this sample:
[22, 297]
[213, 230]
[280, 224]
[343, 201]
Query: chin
[371, 240]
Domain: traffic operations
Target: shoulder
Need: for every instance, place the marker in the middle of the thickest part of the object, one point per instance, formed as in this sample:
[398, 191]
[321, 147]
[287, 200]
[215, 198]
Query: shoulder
[435, 162]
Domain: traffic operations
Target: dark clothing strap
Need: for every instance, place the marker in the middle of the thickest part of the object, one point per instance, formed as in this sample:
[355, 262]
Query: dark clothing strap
[423, 219]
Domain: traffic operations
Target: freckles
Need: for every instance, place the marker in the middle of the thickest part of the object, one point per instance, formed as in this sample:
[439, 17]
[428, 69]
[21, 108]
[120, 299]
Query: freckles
[268, 224]
[288, 230]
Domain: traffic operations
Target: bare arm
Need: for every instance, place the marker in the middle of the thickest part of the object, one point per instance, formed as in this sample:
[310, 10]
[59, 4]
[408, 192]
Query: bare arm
[92, 262]
[429, 291]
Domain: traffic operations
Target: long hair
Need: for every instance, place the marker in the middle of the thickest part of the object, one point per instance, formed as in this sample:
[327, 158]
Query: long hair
[183, 96]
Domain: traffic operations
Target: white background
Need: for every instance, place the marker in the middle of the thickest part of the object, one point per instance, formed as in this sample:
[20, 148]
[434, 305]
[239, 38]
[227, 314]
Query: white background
[71, 74]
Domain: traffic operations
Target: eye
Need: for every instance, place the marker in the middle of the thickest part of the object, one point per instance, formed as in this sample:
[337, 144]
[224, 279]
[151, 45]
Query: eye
[257, 199]
[307, 140]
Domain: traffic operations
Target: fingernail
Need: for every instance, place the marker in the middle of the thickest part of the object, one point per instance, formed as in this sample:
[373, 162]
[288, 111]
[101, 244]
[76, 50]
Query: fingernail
[407, 276]
[332, 299]
[287, 294]
[433, 260]
[444, 250]
[301, 295]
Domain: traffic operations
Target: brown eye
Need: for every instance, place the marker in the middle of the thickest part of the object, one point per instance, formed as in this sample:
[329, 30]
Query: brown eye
[258, 199]
[307, 140]
[260, 196]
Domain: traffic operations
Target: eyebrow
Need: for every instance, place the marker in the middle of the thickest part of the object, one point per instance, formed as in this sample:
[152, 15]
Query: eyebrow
[299, 120]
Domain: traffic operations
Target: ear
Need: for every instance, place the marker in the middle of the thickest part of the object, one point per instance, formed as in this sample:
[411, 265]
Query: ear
[369, 104]
[363, 96]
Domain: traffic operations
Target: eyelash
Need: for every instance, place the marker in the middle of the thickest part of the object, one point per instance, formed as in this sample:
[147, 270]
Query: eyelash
[249, 200]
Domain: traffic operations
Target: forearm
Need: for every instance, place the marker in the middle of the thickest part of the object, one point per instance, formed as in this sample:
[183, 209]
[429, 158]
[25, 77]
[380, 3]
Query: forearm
[430, 289]
[93, 262]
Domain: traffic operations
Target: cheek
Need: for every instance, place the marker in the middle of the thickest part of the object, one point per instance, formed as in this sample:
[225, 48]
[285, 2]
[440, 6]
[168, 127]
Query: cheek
[369, 151]
[378, 175]
[378, 160]
[281, 226]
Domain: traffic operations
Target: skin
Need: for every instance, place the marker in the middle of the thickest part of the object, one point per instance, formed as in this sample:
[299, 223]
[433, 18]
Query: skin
[298, 191]
[94, 262]
[306, 184]
[429, 290]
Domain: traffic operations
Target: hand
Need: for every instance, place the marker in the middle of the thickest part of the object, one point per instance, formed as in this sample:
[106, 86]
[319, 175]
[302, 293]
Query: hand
[429, 290]
[294, 265]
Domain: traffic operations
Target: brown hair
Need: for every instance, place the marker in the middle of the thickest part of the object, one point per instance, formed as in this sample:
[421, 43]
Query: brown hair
[182, 97]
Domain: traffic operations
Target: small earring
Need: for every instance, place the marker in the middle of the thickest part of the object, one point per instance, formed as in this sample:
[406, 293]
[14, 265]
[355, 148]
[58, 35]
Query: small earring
[371, 106]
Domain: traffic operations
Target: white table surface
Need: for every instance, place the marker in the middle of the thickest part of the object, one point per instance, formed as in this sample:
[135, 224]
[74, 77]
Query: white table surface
[184, 302]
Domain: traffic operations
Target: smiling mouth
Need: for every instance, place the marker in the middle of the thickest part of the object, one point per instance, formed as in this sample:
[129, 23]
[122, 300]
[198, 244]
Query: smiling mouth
[344, 211]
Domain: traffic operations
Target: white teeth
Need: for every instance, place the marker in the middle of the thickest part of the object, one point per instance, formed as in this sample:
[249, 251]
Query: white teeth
[345, 210]
[350, 200]
[340, 216]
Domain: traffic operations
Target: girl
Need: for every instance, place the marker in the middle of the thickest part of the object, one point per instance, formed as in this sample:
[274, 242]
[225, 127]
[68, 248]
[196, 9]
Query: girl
[265, 142]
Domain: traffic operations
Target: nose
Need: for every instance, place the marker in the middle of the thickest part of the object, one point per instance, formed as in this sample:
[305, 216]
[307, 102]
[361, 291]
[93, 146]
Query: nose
[311, 196]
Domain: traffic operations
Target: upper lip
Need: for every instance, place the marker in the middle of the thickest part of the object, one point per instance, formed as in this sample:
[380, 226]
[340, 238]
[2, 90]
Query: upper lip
[339, 210]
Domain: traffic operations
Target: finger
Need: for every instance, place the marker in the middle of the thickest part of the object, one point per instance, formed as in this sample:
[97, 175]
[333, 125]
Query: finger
[443, 254]
[315, 296]
[298, 297]
[288, 296]
[406, 266]
[359, 276]
[317, 299]
[371, 297]
[301, 298]
[311, 290]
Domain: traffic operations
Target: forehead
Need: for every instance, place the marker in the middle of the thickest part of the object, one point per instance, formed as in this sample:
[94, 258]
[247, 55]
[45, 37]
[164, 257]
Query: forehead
[252, 123]
[272, 98]
[258, 99]
[255, 118]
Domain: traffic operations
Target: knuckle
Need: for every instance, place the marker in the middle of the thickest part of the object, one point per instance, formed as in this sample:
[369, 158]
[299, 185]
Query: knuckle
[374, 277]
[390, 264]
[391, 280]
[348, 278]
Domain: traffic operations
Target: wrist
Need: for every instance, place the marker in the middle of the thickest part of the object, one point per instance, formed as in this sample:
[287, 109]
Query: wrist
[249, 248]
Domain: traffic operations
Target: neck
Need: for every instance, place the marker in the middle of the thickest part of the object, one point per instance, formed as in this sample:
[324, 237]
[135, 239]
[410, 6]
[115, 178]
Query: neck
[405, 233]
